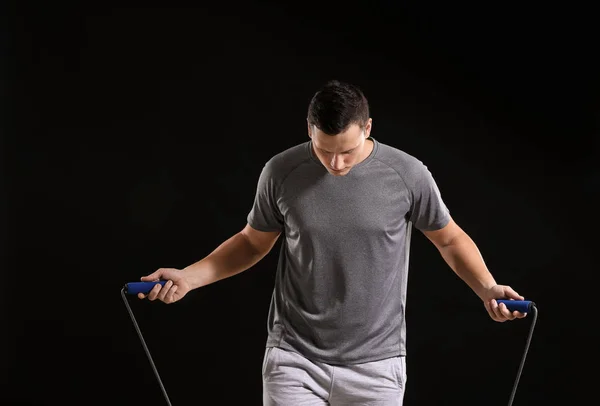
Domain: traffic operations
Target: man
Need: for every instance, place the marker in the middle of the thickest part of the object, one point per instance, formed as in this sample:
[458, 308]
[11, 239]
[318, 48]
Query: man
[345, 204]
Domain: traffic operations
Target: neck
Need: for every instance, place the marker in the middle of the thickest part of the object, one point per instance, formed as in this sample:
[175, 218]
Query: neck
[369, 145]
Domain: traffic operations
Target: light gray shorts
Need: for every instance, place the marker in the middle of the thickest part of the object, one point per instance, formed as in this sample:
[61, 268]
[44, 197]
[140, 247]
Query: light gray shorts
[289, 379]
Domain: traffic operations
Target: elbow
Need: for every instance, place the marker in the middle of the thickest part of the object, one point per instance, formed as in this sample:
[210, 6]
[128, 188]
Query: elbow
[453, 240]
[255, 250]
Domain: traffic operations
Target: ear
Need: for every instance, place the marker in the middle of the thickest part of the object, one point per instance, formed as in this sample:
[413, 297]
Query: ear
[309, 129]
[368, 127]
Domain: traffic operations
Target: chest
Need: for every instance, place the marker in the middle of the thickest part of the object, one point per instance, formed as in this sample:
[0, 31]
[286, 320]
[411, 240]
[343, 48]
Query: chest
[327, 206]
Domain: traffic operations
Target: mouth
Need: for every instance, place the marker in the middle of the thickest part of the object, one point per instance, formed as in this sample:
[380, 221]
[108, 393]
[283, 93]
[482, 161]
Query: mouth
[338, 171]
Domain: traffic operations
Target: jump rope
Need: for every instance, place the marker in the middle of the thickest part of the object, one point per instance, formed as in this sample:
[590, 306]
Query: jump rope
[133, 288]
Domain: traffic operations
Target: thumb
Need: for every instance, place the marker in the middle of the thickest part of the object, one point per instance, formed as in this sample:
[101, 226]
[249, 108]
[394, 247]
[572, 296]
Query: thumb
[153, 277]
[512, 294]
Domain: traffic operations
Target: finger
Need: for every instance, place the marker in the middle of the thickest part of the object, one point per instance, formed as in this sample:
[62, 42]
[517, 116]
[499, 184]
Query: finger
[500, 316]
[141, 296]
[496, 314]
[164, 291]
[152, 295]
[490, 310]
[505, 313]
[154, 276]
[488, 307]
[520, 315]
[171, 295]
[512, 294]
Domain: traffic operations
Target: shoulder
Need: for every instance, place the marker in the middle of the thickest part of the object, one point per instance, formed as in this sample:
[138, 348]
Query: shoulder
[406, 165]
[280, 165]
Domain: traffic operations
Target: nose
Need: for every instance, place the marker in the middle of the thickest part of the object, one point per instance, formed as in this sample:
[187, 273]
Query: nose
[337, 163]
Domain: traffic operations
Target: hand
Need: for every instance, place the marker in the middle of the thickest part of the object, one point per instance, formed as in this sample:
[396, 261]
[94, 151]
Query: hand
[499, 312]
[173, 290]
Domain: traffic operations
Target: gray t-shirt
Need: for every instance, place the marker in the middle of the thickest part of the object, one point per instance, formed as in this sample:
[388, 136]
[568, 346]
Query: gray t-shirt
[340, 287]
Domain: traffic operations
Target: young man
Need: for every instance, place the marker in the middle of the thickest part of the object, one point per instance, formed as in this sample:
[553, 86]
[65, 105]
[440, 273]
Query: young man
[345, 204]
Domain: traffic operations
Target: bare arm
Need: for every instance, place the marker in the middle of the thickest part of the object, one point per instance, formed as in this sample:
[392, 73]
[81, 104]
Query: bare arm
[462, 255]
[235, 255]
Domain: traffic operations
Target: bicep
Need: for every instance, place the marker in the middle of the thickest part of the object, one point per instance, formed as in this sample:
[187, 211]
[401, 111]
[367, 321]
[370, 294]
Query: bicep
[445, 235]
[261, 241]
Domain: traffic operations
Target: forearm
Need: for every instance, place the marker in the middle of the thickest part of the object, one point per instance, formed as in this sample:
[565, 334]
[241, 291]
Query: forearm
[230, 258]
[463, 256]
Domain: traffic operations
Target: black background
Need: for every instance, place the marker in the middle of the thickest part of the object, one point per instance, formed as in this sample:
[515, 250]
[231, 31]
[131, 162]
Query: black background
[133, 138]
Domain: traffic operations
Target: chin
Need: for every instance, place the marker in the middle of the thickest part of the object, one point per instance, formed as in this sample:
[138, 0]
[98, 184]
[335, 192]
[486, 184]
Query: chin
[340, 173]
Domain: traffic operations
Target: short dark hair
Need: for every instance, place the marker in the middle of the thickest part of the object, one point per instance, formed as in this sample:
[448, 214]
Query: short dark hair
[336, 106]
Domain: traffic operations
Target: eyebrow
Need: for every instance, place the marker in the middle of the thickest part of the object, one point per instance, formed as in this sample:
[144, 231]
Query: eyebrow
[343, 152]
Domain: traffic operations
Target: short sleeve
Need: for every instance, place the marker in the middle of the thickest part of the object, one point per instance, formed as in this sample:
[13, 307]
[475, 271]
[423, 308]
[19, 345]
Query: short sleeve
[265, 214]
[428, 210]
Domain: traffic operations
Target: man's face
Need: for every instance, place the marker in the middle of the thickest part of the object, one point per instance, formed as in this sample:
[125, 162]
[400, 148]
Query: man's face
[339, 153]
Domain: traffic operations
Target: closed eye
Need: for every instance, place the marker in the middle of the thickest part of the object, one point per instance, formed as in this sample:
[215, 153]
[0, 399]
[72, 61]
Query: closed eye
[345, 152]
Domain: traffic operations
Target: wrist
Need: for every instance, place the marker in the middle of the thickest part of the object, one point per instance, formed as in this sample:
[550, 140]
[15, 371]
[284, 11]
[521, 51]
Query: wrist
[194, 276]
[483, 291]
